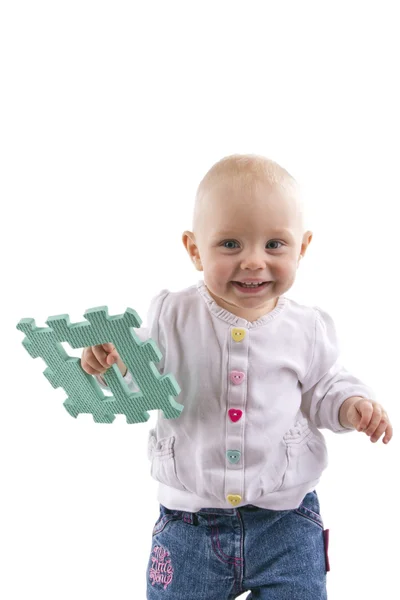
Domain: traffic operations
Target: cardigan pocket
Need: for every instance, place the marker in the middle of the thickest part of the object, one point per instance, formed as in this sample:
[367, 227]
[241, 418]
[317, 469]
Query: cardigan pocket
[306, 454]
[162, 455]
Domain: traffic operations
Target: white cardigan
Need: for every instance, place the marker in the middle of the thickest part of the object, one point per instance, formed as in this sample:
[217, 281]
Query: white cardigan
[255, 395]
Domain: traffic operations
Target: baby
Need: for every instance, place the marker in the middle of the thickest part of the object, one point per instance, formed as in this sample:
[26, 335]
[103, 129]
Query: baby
[260, 377]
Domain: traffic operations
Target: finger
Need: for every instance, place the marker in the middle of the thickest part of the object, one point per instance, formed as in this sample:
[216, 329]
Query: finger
[101, 355]
[389, 434]
[367, 411]
[378, 432]
[108, 347]
[375, 420]
[112, 354]
[90, 364]
[112, 359]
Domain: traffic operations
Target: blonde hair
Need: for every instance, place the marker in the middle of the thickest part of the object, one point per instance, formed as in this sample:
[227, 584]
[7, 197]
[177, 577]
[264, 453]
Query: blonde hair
[247, 169]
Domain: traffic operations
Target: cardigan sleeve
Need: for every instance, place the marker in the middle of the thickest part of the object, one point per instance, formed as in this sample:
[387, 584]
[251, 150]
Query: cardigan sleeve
[151, 331]
[327, 384]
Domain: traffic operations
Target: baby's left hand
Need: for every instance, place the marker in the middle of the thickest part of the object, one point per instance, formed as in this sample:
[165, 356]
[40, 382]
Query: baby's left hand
[371, 418]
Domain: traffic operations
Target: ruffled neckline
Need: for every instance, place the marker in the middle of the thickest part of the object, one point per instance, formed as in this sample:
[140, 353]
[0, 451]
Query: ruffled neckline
[232, 319]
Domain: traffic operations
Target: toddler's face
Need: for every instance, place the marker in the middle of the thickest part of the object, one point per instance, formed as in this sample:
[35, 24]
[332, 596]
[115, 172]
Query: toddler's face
[245, 235]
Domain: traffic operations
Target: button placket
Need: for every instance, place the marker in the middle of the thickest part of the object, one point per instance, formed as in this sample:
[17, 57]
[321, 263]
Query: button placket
[238, 357]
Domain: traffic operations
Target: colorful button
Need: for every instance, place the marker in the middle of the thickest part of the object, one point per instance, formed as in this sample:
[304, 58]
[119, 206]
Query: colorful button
[234, 499]
[233, 456]
[234, 414]
[236, 377]
[238, 334]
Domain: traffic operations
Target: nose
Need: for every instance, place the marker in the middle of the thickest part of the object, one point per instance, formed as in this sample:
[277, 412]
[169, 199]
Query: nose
[254, 259]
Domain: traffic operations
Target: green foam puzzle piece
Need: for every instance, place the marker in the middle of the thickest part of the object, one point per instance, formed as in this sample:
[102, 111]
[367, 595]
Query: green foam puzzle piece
[84, 393]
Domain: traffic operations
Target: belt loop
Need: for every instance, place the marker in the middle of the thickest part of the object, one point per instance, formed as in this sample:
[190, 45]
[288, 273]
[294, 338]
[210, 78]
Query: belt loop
[188, 517]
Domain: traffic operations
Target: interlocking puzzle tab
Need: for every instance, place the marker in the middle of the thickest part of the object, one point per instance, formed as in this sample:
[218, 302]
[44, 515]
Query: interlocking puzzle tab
[84, 393]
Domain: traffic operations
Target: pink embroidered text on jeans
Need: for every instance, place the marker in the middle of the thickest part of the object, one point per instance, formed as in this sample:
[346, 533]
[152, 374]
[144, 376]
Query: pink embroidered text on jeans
[162, 570]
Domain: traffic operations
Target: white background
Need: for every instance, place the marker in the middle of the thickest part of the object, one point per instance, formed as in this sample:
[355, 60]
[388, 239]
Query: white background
[111, 112]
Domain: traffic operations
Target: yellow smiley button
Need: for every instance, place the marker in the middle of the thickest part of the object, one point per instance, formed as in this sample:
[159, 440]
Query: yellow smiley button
[234, 499]
[238, 334]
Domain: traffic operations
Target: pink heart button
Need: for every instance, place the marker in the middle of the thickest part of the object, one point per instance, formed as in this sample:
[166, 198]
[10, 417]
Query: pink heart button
[234, 414]
[236, 377]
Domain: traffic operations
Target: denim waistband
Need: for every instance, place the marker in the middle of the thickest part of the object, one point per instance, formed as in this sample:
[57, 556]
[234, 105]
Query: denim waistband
[189, 517]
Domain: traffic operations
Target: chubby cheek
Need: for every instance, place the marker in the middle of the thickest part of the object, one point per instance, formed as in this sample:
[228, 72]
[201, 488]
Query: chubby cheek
[285, 271]
[219, 271]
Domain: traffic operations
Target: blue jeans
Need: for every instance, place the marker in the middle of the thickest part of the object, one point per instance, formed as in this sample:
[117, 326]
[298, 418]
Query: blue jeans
[218, 554]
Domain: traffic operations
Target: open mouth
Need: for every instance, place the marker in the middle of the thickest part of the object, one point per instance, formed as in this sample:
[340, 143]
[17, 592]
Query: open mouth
[250, 286]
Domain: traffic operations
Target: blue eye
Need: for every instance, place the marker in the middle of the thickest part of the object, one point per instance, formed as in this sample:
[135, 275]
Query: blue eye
[229, 242]
[274, 242]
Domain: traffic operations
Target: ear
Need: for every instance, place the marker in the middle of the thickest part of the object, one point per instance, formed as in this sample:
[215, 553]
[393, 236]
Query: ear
[307, 237]
[189, 241]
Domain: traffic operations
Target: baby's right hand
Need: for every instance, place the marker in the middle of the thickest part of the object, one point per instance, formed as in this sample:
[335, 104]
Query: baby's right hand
[98, 359]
